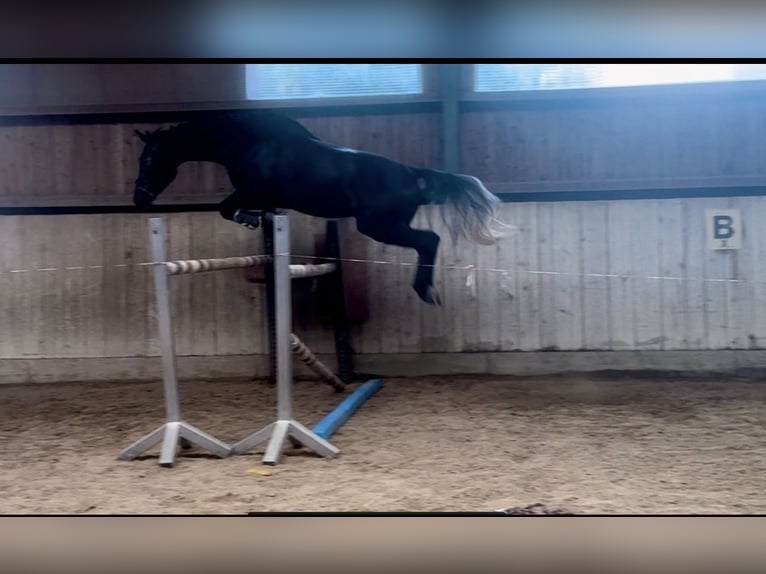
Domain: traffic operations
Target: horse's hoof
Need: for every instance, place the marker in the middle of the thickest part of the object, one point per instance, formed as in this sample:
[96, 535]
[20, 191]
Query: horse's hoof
[249, 220]
[431, 296]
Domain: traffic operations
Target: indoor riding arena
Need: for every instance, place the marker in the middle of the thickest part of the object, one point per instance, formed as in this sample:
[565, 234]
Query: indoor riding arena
[231, 288]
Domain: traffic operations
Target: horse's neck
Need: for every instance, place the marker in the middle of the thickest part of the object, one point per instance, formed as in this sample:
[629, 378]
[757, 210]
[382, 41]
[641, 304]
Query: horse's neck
[195, 144]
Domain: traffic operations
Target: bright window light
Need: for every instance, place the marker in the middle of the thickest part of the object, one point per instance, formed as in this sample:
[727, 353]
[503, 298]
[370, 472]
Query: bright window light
[295, 81]
[523, 77]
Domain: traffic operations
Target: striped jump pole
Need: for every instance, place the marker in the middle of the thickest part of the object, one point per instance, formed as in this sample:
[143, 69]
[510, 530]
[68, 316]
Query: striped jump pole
[313, 270]
[302, 352]
[202, 265]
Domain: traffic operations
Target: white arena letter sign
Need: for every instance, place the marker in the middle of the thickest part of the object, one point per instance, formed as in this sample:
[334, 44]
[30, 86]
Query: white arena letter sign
[724, 228]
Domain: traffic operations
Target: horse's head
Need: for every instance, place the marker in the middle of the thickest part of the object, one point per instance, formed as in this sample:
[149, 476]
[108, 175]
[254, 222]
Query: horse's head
[157, 167]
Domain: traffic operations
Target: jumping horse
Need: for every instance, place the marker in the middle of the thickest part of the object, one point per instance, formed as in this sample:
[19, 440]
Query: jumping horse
[274, 163]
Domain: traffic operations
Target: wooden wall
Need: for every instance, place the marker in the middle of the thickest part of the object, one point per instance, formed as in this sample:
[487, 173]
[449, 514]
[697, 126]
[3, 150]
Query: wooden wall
[646, 143]
[73, 286]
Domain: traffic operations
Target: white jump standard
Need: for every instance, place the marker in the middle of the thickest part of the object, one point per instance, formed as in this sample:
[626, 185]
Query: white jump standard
[285, 426]
[175, 428]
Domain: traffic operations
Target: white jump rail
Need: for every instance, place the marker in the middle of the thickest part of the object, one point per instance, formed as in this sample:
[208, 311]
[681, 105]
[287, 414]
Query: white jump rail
[175, 428]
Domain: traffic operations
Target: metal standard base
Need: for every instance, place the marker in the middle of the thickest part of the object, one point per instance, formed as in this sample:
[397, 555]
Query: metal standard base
[278, 432]
[171, 434]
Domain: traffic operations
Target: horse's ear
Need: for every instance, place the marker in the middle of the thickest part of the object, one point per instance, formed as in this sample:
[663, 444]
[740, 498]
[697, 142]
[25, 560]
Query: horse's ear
[142, 135]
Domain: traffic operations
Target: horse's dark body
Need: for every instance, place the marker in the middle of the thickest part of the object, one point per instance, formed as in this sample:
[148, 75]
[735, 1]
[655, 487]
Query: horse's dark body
[273, 163]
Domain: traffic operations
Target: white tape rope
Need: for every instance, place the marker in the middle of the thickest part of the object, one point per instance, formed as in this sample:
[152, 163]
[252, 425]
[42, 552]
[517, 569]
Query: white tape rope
[471, 270]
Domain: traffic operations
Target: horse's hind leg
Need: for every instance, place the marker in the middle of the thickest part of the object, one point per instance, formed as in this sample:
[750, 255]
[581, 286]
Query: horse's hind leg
[425, 242]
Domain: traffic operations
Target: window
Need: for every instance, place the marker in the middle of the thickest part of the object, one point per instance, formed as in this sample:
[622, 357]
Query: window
[295, 81]
[523, 77]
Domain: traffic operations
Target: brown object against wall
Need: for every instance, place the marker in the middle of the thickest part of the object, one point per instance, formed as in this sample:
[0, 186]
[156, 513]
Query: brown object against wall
[353, 246]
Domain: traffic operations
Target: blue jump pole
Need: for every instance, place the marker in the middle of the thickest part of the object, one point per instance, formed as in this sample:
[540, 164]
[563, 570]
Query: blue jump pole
[346, 408]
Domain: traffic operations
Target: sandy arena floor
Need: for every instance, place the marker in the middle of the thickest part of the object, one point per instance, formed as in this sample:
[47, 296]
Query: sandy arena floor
[584, 444]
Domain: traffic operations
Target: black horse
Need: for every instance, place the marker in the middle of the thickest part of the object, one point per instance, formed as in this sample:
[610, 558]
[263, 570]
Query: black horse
[275, 163]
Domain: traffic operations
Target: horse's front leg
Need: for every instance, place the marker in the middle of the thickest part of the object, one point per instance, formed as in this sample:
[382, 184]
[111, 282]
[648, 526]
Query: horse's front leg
[233, 208]
[425, 242]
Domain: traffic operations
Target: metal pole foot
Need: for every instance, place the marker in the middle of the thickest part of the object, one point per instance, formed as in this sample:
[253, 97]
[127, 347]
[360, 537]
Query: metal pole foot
[277, 433]
[172, 435]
